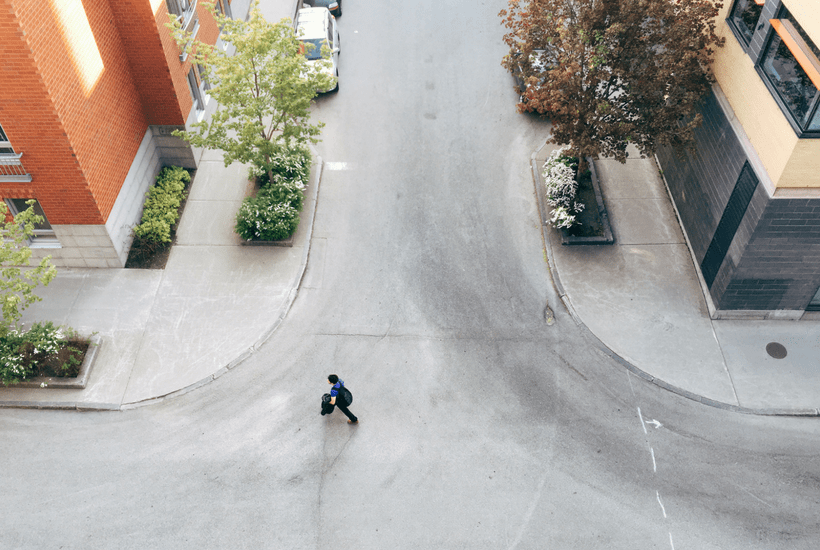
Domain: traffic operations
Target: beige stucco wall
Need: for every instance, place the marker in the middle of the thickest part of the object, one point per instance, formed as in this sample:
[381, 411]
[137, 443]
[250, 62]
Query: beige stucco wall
[807, 13]
[803, 167]
[789, 161]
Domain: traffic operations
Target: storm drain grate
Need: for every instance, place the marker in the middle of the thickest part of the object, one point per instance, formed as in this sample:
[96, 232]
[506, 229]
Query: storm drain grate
[778, 351]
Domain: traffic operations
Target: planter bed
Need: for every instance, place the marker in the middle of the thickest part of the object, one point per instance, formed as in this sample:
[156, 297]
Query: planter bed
[283, 242]
[66, 383]
[594, 227]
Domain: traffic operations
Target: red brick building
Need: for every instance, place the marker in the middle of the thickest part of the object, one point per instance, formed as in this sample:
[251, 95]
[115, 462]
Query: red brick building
[91, 90]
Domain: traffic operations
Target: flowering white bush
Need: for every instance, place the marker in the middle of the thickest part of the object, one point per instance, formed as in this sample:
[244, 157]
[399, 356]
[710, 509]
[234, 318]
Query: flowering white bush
[561, 218]
[561, 188]
[18, 349]
[265, 218]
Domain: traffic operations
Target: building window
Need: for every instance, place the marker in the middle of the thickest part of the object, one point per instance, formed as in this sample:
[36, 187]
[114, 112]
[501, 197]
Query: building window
[224, 7]
[44, 236]
[814, 305]
[182, 8]
[744, 18]
[790, 64]
[204, 84]
[196, 93]
[5, 146]
[185, 10]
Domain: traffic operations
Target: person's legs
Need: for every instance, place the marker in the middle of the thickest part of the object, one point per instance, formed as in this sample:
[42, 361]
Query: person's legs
[347, 412]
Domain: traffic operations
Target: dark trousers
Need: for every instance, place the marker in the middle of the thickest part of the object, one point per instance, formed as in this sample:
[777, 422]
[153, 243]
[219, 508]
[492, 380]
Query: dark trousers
[347, 412]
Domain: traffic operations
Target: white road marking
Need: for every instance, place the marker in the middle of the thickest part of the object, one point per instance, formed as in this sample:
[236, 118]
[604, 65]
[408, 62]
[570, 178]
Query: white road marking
[641, 417]
[654, 466]
[655, 423]
[338, 166]
[661, 503]
[672, 544]
[529, 514]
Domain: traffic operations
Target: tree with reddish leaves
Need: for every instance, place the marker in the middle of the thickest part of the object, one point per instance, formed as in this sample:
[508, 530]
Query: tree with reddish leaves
[609, 73]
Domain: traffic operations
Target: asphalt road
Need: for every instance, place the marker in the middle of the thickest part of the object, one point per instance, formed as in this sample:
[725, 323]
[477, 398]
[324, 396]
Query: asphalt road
[481, 426]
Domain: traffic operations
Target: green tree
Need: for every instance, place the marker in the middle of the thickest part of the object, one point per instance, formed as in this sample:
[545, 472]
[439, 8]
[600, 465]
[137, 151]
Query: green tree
[17, 279]
[264, 89]
[613, 72]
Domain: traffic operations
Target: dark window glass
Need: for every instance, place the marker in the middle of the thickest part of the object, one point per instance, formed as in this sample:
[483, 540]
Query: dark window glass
[744, 16]
[43, 233]
[313, 47]
[814, 305]
[788, 78]
[815, 123]
[5, 146]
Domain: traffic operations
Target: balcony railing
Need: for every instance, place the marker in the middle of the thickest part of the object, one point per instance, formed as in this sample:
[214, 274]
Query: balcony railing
[11, 168]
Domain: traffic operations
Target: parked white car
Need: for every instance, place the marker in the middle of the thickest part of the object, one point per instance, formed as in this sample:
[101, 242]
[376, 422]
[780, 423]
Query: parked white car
[316, 27]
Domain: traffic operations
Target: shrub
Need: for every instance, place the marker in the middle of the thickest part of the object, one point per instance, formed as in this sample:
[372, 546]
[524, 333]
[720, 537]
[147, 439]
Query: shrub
[12, 367]
[45, 349]
[288, 164]
[561, 188]
[285, 192]
[161, 209]
[265, 218]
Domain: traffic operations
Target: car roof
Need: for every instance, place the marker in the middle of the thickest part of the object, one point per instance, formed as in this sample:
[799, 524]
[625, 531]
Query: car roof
[312, 21]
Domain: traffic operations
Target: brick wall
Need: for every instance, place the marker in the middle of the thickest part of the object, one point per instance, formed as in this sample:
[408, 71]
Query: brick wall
[82, 81]
[86, 94]
[147, 46]
[31, 121]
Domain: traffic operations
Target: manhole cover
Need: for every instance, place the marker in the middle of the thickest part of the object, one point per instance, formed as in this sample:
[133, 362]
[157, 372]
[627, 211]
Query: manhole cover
[778, 351]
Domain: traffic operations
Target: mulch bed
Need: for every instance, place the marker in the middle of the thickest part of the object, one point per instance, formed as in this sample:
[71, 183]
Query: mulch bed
[590, 218]
[51, 365]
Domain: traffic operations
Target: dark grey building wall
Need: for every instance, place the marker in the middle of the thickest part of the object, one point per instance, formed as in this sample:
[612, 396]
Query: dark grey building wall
[773, 262]
[701, 183]
[780, 267]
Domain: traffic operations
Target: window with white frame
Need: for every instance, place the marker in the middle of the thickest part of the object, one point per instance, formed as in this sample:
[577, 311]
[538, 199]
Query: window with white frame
[196, 93]
[44, 236]
[181, 8]
[224, 7]
[185, 10]
[5, 146]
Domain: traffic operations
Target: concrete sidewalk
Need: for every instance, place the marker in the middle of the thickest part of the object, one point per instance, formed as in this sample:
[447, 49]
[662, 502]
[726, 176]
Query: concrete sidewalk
[168, 331]
[643, 301]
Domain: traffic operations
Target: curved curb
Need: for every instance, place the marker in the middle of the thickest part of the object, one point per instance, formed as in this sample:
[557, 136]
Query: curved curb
[294, 291]
[536, 178]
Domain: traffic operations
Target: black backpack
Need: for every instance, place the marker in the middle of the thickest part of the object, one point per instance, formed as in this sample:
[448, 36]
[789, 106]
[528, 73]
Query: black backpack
[346, 395]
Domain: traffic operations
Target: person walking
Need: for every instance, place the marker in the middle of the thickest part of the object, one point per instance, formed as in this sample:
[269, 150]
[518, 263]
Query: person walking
[337, 397]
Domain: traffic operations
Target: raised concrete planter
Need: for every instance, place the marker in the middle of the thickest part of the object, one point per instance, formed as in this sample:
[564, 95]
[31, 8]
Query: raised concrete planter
[77, 383]
[252, 242]
[607, 237]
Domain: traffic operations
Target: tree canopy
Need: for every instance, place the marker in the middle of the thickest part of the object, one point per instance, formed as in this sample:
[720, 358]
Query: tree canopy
[17, 280]
[613, 72]
[264, 87]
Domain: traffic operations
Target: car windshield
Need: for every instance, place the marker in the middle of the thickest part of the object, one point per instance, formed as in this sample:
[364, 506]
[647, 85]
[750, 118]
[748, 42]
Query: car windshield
[313, 47]
[320, 3]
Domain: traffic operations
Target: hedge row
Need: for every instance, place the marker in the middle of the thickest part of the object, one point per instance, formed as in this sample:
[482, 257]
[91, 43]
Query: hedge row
[161, 209]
